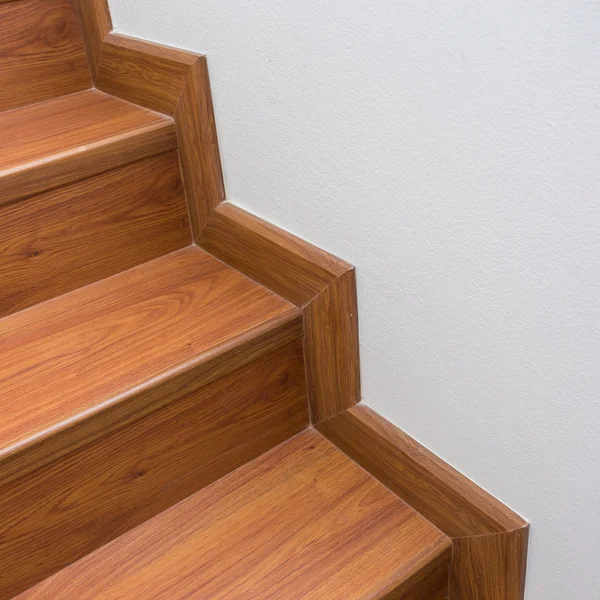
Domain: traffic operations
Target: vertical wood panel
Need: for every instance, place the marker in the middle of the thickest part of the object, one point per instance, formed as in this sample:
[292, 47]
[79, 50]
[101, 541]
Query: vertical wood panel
[72, 236]
[332, 354]
[42, 54]
[96, 24]
[199, 148]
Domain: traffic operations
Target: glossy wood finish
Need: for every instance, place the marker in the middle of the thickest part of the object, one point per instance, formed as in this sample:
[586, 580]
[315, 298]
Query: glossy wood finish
[490, 540]
[144, 73]
[96, 23]
[176, 83]
[301, 522]
[42, 54]
[72, 236]
[199, 147]
[66, 510]
[291, 267]
[323, 285]
[54, 143]
[79, 355]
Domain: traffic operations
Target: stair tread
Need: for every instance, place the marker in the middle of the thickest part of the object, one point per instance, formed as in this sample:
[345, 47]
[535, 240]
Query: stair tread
[52, 136]
[66, 358]
[65, 124]
[302, 521]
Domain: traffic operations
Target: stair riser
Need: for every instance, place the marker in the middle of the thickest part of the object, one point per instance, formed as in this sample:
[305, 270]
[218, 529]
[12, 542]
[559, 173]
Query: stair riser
[67, 238]
[42, 54]
[65, 510]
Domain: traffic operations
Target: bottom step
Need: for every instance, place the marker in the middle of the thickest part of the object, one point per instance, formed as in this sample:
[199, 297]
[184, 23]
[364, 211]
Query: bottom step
[302, 521]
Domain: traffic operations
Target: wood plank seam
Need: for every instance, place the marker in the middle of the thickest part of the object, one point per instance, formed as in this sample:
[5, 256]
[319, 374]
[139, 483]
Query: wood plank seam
[489, 540]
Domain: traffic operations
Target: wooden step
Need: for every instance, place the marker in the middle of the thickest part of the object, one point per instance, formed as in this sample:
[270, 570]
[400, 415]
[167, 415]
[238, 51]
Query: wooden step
[301, 522]
[108, 410]
[69, 237]
[56, 142]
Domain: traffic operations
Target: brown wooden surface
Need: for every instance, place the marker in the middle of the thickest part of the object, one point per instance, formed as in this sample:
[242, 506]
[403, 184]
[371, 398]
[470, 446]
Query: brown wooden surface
[331, 343]
[490, 566]
[68, 357]
[490, 540]
[42, 54]
[291, 267]
[144, 73]
[64, 140]
[301, 522]
[67, 238]
[199, 147]
[58, 514]
[96, 24]
[319, 282]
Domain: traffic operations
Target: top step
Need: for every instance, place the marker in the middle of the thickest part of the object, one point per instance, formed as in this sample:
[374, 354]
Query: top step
[56, 142]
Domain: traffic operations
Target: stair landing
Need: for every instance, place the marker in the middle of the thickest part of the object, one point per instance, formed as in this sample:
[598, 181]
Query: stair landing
[301, 522]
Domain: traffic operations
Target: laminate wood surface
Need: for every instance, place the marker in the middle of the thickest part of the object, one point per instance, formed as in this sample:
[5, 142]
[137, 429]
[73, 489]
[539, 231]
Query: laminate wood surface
[332, 354]
[291, 267]
[490, 540]
[199, 147]
[72, 236]
[75, 355]
[301, 522]
[323, 285]
[60, 513]
[176, 83]
[96, 24]
[144, 73]
[53, 143]
[42, 54]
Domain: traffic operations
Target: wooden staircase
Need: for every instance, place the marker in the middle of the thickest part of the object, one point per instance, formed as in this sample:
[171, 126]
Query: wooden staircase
[163, 356]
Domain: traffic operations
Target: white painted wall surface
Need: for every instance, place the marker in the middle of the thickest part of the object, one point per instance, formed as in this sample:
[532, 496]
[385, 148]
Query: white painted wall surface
[451, 150]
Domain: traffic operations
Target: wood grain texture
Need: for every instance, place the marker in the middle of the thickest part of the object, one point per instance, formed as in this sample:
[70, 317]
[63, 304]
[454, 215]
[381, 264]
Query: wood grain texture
[71, 357]
[199, 147]
[144, 73]
[331, 346]
[72, 236]
[323, 285]
[301, 522]
[42, 54]
[176, 83]
[96, 24]
[489, 539]
[291, 267]
[54, 143]
[66, 510]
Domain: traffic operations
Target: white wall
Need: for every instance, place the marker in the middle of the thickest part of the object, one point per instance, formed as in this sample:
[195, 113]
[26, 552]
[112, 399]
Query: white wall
[449, 149]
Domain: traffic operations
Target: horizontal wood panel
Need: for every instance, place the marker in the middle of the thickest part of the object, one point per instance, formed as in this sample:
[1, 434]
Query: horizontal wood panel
[301, 522]
[332, 350]
[67, 238]
[96, 345]
[144, 73]
[289, 266]
[64, 140]
[58, 514]
[42, 53]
